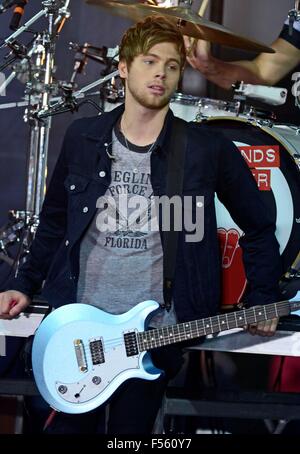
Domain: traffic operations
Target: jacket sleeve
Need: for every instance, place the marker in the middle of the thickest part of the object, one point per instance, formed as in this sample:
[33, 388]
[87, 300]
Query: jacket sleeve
[238, 191]
[50, 232]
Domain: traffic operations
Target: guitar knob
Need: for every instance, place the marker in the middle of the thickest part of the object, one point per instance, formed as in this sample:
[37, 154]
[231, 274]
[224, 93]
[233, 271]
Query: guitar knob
[62, 389]
[96, 380]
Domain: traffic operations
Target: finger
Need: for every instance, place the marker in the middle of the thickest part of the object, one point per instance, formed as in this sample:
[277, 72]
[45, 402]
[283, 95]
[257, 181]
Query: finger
[12, 303]
[252, 328]
[267, 327]
[17, 306]
[6, 302]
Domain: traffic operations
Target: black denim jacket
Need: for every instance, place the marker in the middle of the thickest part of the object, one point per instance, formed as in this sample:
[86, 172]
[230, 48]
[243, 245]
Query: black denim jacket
[213, 165]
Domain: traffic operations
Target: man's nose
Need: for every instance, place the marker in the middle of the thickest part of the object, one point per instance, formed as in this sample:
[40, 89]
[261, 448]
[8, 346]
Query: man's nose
[161, 72]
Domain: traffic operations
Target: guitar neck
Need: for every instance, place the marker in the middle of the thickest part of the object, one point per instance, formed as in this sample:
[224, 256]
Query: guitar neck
[173, 334]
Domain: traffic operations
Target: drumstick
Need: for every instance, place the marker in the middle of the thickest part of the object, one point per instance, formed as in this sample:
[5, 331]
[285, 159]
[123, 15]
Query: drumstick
[201, 13]
[203, 7]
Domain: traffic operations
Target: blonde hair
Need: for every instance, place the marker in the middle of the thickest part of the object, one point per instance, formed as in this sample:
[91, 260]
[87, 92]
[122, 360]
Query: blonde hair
[141, 37]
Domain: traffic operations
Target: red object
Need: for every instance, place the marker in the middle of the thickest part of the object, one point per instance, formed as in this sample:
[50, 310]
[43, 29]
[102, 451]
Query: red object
[233, 274]
[285, 374]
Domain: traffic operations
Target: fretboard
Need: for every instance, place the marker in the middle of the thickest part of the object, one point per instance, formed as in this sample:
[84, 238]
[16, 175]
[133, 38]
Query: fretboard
[197, 328]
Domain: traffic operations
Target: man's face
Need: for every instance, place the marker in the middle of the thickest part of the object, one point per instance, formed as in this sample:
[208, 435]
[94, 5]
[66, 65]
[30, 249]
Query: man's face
[152, 79]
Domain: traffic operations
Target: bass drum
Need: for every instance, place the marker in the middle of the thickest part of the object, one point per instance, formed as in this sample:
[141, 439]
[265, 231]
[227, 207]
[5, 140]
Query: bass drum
[273, 155]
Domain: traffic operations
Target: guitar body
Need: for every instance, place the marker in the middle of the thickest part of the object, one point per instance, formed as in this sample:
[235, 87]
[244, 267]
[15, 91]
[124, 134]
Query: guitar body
[80, 356]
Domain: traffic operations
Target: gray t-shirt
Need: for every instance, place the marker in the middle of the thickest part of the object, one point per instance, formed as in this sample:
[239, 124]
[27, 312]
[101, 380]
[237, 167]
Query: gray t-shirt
[121, 257]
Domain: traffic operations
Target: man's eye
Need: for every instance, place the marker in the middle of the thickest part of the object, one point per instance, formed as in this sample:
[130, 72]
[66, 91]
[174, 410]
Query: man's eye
[148, 62]
[173, 67]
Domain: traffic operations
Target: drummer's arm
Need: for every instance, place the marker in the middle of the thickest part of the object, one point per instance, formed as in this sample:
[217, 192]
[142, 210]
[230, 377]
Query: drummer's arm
[266, 69]
[271, 68]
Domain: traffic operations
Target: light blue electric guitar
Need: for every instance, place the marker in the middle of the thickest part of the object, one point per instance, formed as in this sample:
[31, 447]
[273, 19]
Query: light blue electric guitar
[81, 354]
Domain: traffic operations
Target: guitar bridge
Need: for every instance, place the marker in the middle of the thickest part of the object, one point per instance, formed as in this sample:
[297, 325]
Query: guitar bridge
[80, 355]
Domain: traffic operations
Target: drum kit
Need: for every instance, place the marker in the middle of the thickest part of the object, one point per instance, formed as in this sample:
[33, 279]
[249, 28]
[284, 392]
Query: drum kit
[271, 150]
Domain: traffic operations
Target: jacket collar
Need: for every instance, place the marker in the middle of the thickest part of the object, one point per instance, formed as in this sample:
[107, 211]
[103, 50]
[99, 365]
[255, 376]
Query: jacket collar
[101, 127]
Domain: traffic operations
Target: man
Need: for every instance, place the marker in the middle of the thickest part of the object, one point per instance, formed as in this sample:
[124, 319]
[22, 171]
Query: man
[125, 152]
[266, 69]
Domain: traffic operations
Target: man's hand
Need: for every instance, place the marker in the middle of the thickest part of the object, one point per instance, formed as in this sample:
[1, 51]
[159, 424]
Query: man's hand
[12, 303]
[266, 328]
[199, 56]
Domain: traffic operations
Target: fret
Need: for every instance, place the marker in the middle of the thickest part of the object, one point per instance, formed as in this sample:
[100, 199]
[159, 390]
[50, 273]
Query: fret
[143, 341]
[176, 333]
[231, 320]
[151, 339]
[197, 328]
[147, 340]
[227, 321]
[162, 336]
[236, 322]
[271, 310]
[203, 326]
[168, 335]
[208, 327]
[255, 319]
[139, 338]
[223, 323]
[171, 334]
[165, 335]
[216, 327]
[194, 331]
[276, 312]
[186, 325]
[265, 313]
[241, 318]
[258, 316]
[181, 331]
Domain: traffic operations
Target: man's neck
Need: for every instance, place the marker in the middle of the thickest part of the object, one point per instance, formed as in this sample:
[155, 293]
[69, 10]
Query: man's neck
[142, 126]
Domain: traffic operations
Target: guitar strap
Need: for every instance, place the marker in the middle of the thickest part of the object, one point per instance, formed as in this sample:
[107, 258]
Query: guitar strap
[174, 185]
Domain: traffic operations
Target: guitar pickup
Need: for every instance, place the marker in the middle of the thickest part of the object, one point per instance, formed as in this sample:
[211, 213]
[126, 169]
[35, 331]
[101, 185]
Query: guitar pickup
[97, 352]
[80, 355]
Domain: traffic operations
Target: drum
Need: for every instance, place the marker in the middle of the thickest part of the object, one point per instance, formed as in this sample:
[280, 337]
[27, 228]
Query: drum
[192, 108]
[186, 106]
[273, 155]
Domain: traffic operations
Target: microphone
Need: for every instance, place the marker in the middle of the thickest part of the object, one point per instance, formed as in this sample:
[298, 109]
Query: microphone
[17, 15]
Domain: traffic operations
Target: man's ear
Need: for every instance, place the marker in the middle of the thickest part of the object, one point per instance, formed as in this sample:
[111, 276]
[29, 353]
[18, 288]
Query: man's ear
[122, 67]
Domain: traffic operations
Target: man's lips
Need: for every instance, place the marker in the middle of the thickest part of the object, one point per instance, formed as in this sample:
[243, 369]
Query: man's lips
[157, 89]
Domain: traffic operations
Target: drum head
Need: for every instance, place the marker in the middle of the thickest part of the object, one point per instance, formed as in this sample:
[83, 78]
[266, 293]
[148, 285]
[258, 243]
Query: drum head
[269, 154]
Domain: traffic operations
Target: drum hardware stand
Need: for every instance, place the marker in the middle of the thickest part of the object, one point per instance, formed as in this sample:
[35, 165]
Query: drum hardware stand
[106, 56]
[69, 102]
[23, 224]
[294, 15]
[257, 116]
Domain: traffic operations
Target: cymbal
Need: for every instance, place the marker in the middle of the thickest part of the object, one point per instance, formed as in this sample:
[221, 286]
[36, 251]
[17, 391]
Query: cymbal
[189, 22]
